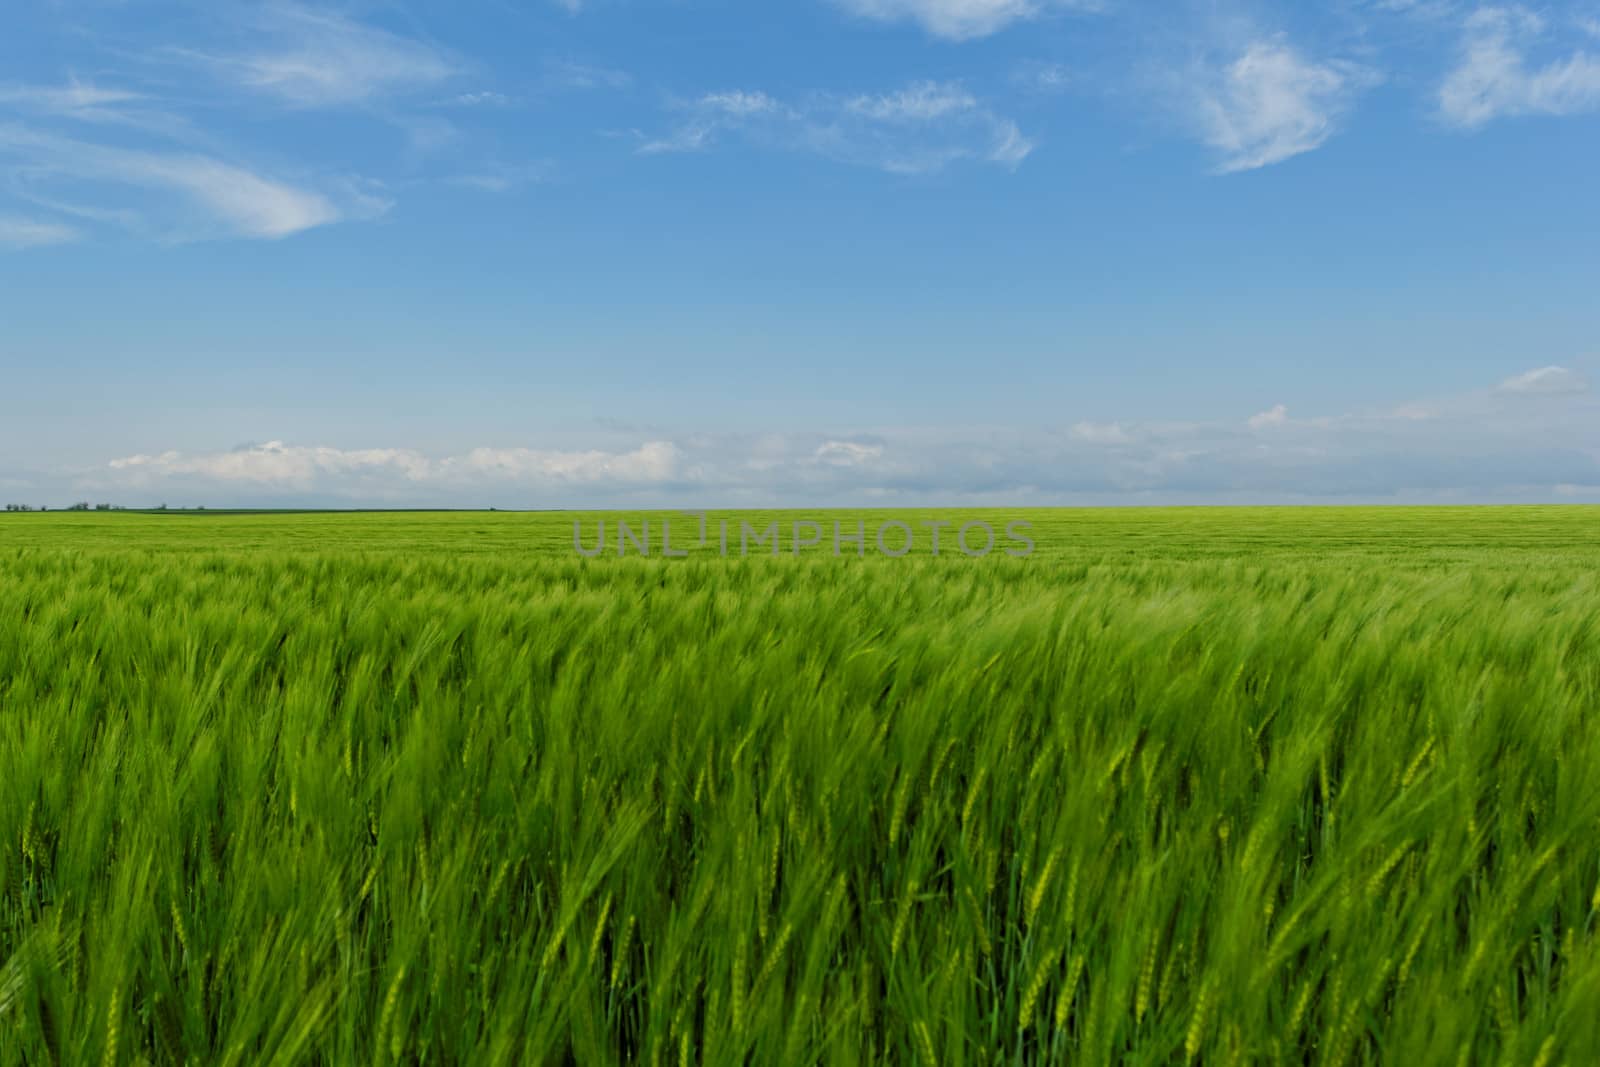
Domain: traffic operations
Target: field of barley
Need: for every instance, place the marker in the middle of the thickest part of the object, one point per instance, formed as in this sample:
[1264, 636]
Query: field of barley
[1190, 786]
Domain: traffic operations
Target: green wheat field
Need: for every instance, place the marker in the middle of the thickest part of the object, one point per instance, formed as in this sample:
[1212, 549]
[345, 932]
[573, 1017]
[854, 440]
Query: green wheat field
[1226, 786]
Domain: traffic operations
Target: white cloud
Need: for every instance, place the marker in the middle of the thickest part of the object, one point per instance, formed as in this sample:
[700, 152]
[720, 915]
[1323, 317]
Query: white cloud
[237, 200]
[688, 137]
[158, 154]
[739, 104]
[960, 20]
[955, 19]
[18, 233]
[1474, 446]
[1037, 77]
[312, 58]
[1272, 103]
[271, 463]
[484, 98]
[714, 112]
[847, 453]
[252, 206]
[654, 461]
[1101, 433]
[1277, 415]
[920, 128]
[82, 102]
[1479, 445]
[1546, 381]
[921, 102]
[566, 74]
[1424, 9]
[502, 179]
[1010, 147]
[69, 99]
[284, 466]
[1494, 77]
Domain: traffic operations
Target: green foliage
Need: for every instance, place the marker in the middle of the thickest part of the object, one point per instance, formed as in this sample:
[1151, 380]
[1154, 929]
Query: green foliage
[1184, 787]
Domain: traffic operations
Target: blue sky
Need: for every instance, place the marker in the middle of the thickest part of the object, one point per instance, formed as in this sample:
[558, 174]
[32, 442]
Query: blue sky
[623, 252]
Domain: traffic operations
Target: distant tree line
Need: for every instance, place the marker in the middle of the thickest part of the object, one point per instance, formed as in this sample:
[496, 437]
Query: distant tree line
[82, 505]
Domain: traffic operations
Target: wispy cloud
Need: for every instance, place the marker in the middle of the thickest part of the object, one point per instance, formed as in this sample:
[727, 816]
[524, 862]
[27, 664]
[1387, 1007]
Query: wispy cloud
[1270, 103]
[219, 195]
[922, 102]
[960, 20]
[312, 58]
[1420, 10]
[17, 233]
[920, 128]
[557, 76]
[148, 157]
[73, 98]
[481, 98]
[1496, 77]
[1043, 78]
[1546, 381]
[502, 179]
[79, 103]
[568, 74]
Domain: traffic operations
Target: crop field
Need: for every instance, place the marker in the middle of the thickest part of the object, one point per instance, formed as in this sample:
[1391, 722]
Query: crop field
[1225, 786]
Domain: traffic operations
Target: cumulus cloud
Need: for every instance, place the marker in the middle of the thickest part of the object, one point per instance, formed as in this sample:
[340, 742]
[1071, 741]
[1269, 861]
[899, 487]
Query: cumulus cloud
[1271, 103]
[318, 467]
[1485, 445]
[654, 461]
[271, 463]
[1546, 381]
[1495, 76]
[922, 127]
